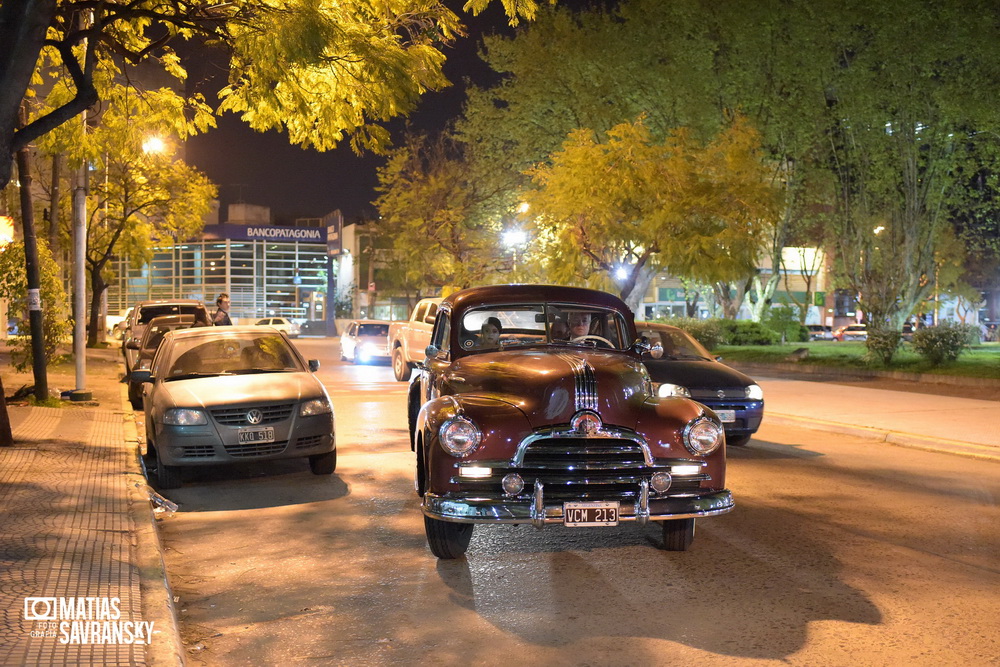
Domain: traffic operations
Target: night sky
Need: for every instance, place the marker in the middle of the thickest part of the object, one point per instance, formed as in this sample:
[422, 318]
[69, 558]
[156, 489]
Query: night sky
[263, 169]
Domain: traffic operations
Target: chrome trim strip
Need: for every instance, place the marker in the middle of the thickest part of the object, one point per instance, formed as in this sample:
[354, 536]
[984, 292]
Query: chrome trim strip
[585, 382]
[606, 433]
[506, 510]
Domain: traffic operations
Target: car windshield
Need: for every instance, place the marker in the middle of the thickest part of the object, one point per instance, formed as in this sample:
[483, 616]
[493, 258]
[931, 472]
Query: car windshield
[677, 344]
[493, 327]
[230, 354]
[373, 330]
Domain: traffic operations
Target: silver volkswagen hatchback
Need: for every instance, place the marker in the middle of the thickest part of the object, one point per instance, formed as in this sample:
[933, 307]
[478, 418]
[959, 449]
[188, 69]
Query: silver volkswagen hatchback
[220, 395]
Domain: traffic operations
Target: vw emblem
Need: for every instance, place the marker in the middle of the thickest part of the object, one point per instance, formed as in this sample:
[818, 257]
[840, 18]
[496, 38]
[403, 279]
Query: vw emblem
[720, 394]
[255, 416]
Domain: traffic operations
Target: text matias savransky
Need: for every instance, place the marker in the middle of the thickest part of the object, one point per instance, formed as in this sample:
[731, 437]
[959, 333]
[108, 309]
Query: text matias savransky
[73, 620]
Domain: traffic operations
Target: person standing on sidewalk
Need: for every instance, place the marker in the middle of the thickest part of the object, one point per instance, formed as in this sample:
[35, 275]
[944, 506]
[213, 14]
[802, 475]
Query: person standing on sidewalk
[221, 317]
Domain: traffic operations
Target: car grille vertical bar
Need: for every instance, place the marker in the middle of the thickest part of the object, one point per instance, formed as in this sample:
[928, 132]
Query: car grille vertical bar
[585, 382]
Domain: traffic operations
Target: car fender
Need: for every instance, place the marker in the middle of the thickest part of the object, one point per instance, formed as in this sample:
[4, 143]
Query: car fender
[662, 422]
[501, 424]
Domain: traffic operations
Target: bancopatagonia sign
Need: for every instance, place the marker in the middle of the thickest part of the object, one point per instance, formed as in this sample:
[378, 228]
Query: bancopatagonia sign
[265, 233]
[285, 233]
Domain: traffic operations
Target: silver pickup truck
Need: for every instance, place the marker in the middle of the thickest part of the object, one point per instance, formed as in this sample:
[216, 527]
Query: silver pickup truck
[408, 339]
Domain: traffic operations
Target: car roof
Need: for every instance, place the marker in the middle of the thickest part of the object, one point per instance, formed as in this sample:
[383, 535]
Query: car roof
[171, 319]
[371, 322]
[656, 325]
[168, 302]
[220, 332]
[513, 294]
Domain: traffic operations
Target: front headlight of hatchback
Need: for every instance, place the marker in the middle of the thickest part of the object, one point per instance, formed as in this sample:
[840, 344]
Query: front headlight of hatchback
[667, 390]
[755, 393]
[184, 417]
[317, 406]
[703, 436]
[460, 436]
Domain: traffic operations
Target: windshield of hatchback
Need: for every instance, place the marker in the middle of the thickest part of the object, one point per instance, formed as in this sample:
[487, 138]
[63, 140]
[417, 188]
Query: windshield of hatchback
[230, 354]
[677, 344]
[579, 325]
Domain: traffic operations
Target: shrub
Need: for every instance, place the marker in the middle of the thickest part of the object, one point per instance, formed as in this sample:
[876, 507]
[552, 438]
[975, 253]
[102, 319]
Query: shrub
[706, 332]
[882, 344]
[784, 321]
[747, 332]
[942, 343]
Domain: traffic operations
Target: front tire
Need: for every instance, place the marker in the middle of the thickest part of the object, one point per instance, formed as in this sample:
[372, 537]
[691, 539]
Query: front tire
[167, 477]
[678, 534]
[737, 441]
[135, 397]
[447, 540]
[400, 368]
[323, 464]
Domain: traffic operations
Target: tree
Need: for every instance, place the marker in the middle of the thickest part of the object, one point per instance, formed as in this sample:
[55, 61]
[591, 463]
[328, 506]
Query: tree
[905, 125]
[631, 207]
[14, 288]
[323, 72]
[140, 195]
[431, 205]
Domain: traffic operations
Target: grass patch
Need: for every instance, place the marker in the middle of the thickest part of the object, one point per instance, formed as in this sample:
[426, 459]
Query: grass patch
[980, 361]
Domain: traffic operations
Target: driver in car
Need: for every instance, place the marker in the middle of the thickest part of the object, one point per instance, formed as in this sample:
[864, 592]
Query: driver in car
[579, 323]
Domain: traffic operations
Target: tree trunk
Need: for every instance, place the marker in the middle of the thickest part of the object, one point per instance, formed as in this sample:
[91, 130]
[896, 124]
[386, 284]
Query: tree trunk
[6, 436]
[34, 278]
[633, 298]
[97, 290]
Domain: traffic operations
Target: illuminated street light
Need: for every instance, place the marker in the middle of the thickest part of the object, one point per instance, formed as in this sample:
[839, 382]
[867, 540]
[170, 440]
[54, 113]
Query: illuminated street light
[154, 145]
[621, 273]
[513, 238]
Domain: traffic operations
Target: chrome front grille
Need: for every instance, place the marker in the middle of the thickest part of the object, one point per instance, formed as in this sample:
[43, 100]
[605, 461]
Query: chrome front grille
[238, 416]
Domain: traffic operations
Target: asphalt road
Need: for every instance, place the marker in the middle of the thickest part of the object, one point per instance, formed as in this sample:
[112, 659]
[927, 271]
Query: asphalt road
[841, 551]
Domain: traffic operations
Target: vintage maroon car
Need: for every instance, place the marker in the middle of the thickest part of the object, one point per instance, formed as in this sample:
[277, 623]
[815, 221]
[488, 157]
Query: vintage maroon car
[533, 406]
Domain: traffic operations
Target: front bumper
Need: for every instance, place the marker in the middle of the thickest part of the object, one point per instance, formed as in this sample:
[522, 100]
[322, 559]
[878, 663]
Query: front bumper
[209, 444]
[536, 511]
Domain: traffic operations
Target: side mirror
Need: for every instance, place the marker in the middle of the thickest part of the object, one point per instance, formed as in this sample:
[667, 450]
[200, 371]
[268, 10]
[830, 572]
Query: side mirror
[654, 350]
[719, 358]
[132, 343]
[431, 351]
[313, 365]
[141, 376]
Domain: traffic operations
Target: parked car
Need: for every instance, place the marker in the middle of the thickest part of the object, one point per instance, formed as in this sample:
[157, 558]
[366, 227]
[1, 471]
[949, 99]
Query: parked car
[541, 427]
[820, 331]
[851, 332]
[688, 369]
[234, 394]
[146, 348]
[364, 341]
[145, 311]
[281, 324]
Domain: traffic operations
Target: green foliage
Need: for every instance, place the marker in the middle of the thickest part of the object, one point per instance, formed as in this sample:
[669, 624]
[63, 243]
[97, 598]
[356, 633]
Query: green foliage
[680, 205]
[944, 342]
[882, 344]
[747, 332]
[784, 321]
[56, 322]
[707, 332]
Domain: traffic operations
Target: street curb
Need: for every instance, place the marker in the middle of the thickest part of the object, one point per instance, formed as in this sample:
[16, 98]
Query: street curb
[157, 596]
[805, 368]
[898, 438]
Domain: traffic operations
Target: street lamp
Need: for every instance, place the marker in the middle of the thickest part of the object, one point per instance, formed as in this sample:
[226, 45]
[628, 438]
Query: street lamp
[514, 239]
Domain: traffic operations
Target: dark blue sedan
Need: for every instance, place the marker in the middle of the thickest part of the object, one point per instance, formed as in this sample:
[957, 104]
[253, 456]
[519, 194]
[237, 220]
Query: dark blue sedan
[687, 369]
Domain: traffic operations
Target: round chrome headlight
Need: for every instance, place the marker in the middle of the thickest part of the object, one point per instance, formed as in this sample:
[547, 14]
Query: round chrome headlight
[667, 390]
[755, 393]
[703, 436]
[459, 436]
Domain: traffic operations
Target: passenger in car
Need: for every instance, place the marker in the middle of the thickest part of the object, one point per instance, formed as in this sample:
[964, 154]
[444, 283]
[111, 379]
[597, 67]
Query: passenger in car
[489, 333]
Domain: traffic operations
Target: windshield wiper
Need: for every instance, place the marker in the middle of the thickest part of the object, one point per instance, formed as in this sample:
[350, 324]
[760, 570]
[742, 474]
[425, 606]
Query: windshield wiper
[195, 374]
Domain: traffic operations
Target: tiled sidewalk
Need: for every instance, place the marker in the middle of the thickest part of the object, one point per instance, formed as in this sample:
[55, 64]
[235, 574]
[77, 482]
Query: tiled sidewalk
[73, 505]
